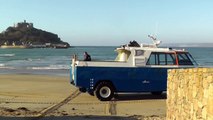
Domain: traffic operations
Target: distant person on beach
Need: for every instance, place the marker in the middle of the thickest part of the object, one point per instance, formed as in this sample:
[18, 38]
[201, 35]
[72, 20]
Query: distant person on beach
[87, 57]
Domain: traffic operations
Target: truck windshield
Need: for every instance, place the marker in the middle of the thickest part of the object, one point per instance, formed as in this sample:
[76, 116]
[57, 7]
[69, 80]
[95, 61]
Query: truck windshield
[185, 59]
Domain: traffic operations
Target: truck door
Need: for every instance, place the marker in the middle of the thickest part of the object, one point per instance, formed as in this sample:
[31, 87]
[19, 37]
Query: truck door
[159, 62]
[137, 79]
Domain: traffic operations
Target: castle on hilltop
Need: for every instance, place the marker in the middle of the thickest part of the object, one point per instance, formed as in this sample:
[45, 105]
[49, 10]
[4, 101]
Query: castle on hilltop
[25, 35]
[23, 25]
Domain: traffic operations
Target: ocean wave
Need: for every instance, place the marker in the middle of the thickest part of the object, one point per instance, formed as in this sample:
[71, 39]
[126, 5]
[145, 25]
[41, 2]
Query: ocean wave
[2, 65]
[7, 55]
[30, 59]
[5, 67]
[51, 67]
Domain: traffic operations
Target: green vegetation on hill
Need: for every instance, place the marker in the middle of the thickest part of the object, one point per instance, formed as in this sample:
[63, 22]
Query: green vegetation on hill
[25, 34]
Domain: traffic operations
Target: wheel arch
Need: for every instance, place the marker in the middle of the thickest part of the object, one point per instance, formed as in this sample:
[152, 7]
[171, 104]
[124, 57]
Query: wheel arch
[108, 81]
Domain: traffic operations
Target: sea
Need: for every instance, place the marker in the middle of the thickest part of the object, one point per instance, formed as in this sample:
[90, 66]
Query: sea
[47, 61]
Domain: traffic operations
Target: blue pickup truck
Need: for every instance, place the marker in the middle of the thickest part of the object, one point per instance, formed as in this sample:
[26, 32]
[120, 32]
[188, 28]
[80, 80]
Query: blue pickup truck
[137, 68]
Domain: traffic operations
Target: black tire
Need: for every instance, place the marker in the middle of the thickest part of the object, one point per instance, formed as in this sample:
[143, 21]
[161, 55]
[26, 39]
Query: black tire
[104, 91]
[157, 93]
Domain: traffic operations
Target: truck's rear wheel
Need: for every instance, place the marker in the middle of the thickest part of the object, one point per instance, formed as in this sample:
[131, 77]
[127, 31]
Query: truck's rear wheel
[104, 91]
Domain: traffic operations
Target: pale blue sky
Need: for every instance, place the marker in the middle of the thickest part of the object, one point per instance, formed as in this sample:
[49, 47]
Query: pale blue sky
[114, 22]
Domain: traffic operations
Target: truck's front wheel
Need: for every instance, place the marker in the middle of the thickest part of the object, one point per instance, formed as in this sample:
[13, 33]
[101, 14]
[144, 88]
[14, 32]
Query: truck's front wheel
[104, 91]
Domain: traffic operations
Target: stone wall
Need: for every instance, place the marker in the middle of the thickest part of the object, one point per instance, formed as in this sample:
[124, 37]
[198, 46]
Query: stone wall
[190, 94]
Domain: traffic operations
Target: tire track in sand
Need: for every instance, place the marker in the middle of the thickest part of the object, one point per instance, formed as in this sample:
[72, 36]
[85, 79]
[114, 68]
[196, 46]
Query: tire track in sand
[54, 107]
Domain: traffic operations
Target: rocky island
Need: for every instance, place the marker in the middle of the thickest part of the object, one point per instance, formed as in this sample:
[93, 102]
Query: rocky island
[24, 35]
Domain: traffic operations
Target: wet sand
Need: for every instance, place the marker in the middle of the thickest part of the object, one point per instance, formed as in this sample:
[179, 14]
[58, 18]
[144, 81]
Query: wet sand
[39, 96]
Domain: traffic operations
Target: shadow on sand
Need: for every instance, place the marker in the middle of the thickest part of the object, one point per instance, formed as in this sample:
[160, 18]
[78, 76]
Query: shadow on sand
[139, 96]
[71, 118]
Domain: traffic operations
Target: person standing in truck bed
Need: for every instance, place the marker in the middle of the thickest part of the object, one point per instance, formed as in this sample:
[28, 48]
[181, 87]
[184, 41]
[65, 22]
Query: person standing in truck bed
[87, 57]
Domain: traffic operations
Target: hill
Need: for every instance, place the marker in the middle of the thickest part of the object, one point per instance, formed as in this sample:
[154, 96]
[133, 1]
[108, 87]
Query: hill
[24, 33]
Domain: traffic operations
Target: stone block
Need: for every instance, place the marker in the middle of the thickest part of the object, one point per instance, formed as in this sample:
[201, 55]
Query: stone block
[195, 104]
[191, 108]
[210, 100]
[200, 70]
[190, 70]
[209, 117]
[198, 81]
[206, 93]
[205, 70]
[210, 79]
[204, 113]
[195, 70]
[200, 93]
[194, 91]
[199, 113]
[200, 105]
[205, 83]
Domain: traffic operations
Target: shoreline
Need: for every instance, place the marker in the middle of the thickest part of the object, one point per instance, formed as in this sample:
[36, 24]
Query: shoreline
[47, 72]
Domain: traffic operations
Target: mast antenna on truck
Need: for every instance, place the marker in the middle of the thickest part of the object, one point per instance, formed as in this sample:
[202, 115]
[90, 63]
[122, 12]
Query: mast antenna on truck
[154, 40]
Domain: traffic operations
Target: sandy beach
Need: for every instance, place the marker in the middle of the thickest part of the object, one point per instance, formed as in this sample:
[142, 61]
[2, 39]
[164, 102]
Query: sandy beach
[44, 97]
